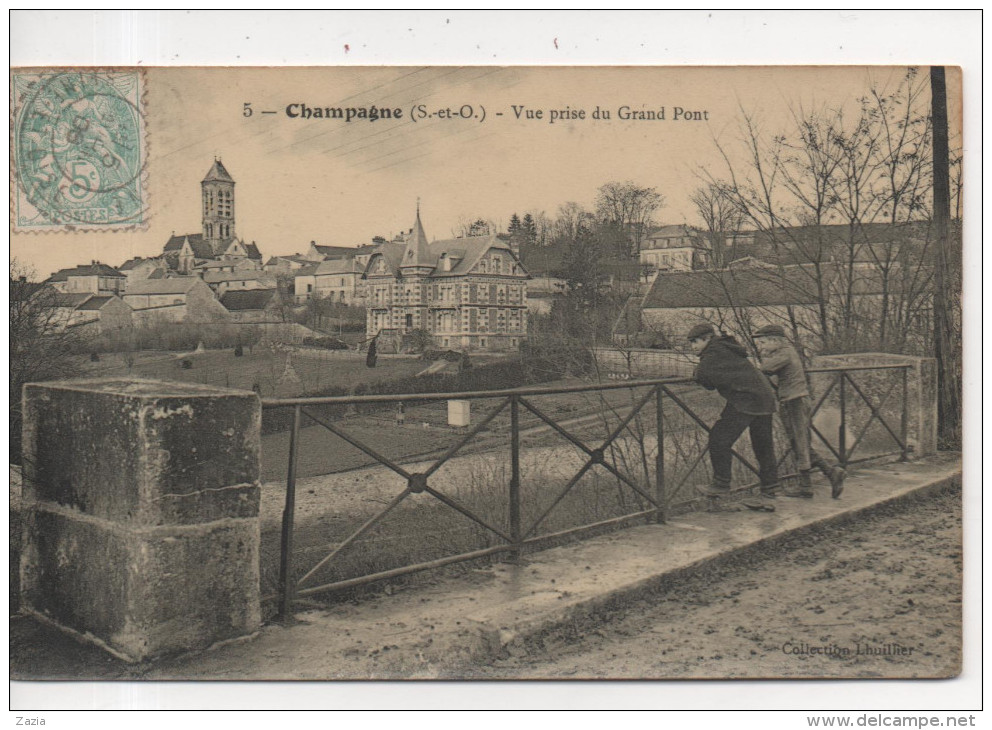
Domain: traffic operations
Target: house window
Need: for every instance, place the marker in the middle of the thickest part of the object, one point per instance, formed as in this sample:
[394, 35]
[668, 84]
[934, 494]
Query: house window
[482, 342]
[409, 320]
[497, 265]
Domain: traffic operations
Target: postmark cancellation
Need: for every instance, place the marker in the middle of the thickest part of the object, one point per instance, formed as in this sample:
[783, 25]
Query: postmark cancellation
[79, 150]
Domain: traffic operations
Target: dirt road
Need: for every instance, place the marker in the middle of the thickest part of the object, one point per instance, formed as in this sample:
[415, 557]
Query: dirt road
[889, 584]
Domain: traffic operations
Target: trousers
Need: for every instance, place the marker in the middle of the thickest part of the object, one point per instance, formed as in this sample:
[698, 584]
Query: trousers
[723, 436]
[795, 415]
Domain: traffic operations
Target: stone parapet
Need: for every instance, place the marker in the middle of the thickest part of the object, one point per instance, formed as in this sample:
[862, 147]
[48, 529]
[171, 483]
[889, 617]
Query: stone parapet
[141, 513]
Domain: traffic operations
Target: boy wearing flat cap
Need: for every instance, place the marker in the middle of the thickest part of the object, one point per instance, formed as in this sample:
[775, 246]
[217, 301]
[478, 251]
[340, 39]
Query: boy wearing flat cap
[723, 366]
[780, 360]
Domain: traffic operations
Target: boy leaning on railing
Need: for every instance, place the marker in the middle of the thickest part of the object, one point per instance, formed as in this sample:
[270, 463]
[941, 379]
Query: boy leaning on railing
[780, 361]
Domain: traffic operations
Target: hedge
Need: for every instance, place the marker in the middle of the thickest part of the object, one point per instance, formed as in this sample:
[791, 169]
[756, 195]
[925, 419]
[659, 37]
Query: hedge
[515, 373]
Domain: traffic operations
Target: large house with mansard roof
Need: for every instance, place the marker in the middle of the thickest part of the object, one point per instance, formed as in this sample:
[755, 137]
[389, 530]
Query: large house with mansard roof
[468, 293]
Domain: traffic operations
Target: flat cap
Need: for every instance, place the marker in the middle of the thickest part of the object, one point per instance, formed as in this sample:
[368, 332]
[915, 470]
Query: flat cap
[770, 330]
[699, 330]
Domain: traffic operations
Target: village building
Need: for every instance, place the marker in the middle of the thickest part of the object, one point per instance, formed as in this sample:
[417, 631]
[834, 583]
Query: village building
[751, 293]
[227, 265]
[175, 299]
[287, 265]
[335, 280]
[142, 268]
[361, 254]
[218, 238]
[318, 252]
[674, 248]
[92, 278]
[224, 281]
[252, 306]
[542, 291]
[466, 293]
[102, 313]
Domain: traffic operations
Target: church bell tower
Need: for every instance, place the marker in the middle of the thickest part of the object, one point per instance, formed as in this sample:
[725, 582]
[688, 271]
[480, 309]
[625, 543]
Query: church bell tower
[218, 207]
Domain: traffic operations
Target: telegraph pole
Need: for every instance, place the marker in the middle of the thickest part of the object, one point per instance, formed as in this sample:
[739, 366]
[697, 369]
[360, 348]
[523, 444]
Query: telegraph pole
[945, 348]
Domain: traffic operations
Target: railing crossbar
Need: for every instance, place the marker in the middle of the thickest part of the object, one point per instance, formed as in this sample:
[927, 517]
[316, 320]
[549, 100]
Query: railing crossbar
[385, 461]
[629, 482]
[852, 368]
[816, 409]
[354, 536]
[630, 417]
[702, 424]
[826, 394]
[464, 395]
[568, 487]
[465, 511]
[864, 429]
[826, 443]
[685, 477]
[874, 411]
[592, 455]
[565, 434]
[405, 570]
[468, 437]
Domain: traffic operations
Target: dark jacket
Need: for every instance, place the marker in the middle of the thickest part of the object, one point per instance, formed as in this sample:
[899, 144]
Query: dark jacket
[723, 365]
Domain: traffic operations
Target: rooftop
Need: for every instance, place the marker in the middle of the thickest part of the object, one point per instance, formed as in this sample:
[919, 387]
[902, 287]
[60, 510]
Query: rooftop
[254, 299]
[219, 173]
[175, 285]
[94, 268]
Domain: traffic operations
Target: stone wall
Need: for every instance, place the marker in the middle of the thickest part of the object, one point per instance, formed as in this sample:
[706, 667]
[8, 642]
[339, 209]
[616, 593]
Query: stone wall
[643, 363]
[140, 501]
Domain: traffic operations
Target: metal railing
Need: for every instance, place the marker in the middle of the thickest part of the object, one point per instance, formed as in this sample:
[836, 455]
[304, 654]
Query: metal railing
[653, 492]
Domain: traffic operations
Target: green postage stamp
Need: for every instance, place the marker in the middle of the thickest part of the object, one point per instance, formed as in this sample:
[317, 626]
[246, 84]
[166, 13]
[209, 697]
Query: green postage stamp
[79, 150]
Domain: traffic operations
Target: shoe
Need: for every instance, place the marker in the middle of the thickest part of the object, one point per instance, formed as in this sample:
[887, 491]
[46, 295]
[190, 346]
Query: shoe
[713, 490]
[759, 504]
[837, 476]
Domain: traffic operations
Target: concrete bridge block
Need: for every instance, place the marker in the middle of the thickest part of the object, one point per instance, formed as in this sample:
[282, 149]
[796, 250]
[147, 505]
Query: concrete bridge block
[141, 513]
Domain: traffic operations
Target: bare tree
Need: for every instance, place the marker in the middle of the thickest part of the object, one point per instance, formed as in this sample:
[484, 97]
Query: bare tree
[572, 218]
[844, 193]
[41, 346]
[629, 209]
[723, 219]
[468, 228]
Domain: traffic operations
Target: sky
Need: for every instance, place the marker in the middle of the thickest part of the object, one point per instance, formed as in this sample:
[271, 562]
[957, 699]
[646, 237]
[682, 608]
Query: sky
[337, 183]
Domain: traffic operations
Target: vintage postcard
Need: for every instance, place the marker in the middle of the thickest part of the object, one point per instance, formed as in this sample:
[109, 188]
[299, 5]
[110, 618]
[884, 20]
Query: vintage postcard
[485, 372]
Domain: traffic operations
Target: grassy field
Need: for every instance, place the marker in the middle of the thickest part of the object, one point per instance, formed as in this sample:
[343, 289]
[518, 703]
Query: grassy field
[426, 431]
[314, 370]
